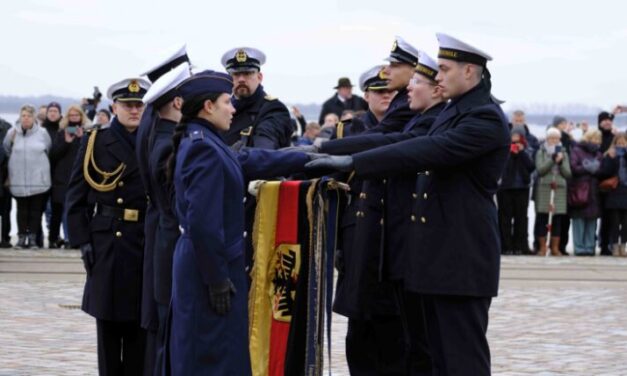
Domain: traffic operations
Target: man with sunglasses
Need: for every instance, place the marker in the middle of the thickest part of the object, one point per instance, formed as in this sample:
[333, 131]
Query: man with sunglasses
[106, 204]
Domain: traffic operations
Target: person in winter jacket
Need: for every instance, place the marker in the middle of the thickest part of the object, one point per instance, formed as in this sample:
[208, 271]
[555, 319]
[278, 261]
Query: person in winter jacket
[553, 167]
[65, 145]
[585, 164]
[513, 195]
[615, 165]
[605, 122]
[27, 146]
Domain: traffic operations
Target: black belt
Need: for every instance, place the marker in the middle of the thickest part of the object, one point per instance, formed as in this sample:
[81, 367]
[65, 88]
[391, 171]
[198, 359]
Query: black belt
[128, 215]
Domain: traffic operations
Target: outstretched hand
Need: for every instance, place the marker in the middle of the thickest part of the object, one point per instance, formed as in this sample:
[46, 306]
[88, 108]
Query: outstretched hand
[342, 163]
[301, 149]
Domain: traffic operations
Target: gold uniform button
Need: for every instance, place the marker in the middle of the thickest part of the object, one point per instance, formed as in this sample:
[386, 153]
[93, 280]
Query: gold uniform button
[381, 222]
[121, 184]
[423, 219]
[414, 195]
[362, 195]
[118, 234]
[425, 196]
[382, 201]
[245, 234]
[413, 218]
[385, 181]
[427, 173]
[244, 200]
[120, 201]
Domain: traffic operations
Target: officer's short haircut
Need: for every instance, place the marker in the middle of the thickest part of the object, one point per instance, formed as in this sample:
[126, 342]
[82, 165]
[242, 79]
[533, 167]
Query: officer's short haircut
[518, 113]
[478, 71]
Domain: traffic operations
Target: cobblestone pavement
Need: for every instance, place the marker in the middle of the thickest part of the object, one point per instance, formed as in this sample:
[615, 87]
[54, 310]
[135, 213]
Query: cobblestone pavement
[552, 317]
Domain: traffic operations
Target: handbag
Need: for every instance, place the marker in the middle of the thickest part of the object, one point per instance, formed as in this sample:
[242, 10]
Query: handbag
[609, 184]
[578, 193]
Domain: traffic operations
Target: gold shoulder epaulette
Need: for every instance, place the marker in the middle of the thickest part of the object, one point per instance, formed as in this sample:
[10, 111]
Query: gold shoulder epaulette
[270, 98]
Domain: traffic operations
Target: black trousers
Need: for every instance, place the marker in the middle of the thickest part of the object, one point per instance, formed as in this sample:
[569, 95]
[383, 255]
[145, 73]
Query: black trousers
[604, 228]
[456, 332]
[564, 233]
[617, 226]
[5, 211]
[121, 348]
[376, 346]
[29, 211]
[513, 220]
[56, 218]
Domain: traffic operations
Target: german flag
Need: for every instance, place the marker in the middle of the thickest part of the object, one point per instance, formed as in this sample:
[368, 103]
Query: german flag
[287, 301]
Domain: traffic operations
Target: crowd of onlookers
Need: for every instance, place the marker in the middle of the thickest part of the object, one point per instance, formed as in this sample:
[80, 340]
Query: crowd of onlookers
[579, 183]
[35, 164]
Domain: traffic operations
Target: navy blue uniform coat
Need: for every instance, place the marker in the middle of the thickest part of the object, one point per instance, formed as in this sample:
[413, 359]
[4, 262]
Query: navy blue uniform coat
[454, 242]
[210, 186]
[113, 290]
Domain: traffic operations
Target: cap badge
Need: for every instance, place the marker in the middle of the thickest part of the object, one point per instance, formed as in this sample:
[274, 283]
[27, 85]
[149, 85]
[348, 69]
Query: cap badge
[382, 74]
[133, 87]
[241, 56]
[394, 45]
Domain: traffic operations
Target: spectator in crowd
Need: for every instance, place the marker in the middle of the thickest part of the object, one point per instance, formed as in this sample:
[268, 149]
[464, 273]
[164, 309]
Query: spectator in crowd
[301, 123]
[567, 141]
[5, 193]
[312, 130]
[53, 118]
[329, 125]
[344, 99]
[583, 192]
[519, 122]
[553, 168]
[614, 165]
[64, 149]
[605, 123]
[41, 114]
[103, 118]
[27, 145]
[584, 126]
[513, 196]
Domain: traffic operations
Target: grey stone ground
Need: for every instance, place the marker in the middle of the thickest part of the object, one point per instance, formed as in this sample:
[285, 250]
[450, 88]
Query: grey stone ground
[553, 317]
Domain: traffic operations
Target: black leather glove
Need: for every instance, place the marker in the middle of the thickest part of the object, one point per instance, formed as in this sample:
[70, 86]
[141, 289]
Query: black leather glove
[343, 163]
[301, 148]
[87, 254]
[220, 296]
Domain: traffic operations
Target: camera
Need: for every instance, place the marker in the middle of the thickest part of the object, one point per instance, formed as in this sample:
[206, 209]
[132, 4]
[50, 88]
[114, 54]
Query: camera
[558, 149]
[92, 103]
[71, 129]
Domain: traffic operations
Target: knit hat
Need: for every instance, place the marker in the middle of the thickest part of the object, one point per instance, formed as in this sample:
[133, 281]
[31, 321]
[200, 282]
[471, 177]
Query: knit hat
[557, 120]
[54, 104]
[605, 116]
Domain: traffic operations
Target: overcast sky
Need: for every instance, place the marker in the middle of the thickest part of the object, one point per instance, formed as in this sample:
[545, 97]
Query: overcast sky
[544, 51]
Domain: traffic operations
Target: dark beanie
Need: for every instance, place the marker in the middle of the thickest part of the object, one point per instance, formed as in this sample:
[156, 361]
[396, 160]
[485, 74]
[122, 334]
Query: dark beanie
[54, 104]
[604, 116]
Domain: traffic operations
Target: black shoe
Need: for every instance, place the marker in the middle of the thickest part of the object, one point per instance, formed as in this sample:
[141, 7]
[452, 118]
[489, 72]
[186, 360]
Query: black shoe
[6, 244]
[21, 242]
[32, 241]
